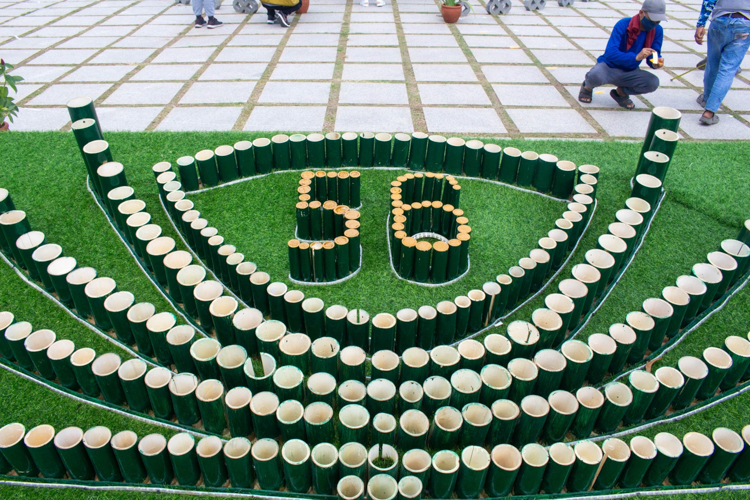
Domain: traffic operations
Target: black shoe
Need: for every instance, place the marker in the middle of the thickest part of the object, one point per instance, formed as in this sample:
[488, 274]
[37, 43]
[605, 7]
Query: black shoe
[281, 18]
[199, 22]
[271, 21]
[214, 23]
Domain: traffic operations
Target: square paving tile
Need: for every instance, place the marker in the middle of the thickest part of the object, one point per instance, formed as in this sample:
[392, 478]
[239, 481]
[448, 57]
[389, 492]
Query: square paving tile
[99, 74]
[26, 90]
[303, 28]
[514, 74]
[682, 99]
[444, 73]
[63, 93]
[368, 17]
[218, 93]
[738, 100]
[549, 121]
[127, 119]
[160, 30]
[201, 118]
[476, 29]
[602, 99]
[238, 71]
[243, 54]
[622, 123]
[696, 78]
[464, 120]
[32, 43]
[728, 128]
[429, 55]
[595, 45]
[381, 28]
[323, 17]
[529, 95]
[39, 119]
[563, 57]
[303, 71]
[373, 119]
[578, 32]
[683, 60]
[431, 41]
[258, 40]
[187, 55]
[63, 56]
[426, 29]
[88, 42]
[144, 93]
[308, 54]
[122, 56]
[291, 118]
[109, 31]
[314, 40]
[453, 94]
[40, 74]
[372, 40]
[293, 92]
[369, 54]
[373, 93]
[533, 31]
[501, 56]
[373, 72]
[200, 41]
[543, 42]
[164, 72]
[476, 41]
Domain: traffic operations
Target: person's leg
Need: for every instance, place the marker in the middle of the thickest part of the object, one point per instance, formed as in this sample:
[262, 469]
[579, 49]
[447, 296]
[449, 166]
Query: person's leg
[292, 9]
[197, 7]
[731, 57]
[717, 38]
[270, 12]
[635, 82]
[208, 6]
[599, 75]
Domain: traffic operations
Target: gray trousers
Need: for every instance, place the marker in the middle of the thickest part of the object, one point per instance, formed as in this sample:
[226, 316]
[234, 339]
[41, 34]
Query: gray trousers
[199, 5]
[633, 82]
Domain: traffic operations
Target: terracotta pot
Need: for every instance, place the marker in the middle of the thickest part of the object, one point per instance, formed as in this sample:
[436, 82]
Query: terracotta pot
[5, 126]
[305, 6]
[451, 13]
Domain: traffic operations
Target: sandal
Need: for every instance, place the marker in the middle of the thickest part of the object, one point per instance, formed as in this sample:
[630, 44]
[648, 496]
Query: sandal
[585, 94]
[709, 121]
[623, 101]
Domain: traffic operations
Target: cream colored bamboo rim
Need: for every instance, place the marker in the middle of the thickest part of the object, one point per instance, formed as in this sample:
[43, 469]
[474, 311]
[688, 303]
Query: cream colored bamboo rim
[350, 488]
[47, 253]
[496, 377]
[588, 452]
[471, 349]
[180, 444]
[444, 355]
[39, 340]
[692, 367]
[18, 331]
[161, 322]
[410, 391]
[497, 344]
[68, 438]
[550, 360]
[618, 394]
[506, 457]
[124, 440]
[698, 444]
[590, 397]
[183, 384]
[352, 391]
[106, 364]
[148, 232]
[97, 437]
[523, 333]
[622, 333]
[208, 291]
[414, 357]
[505, 409]
[535, 455]
[691, 285]
[132, 369]
[602, 344]
[264, 403]
[288, 377]
[573, 288]
[643, 381]
[152, 445]
[437, 388]
[535, 406]
[576, 351]
[61, 349]
[82, 357]
[616, 449]
[562, 454]
[29, 240]
[523, 369]
[265, 449]
[325, 348]
[354, 416]
[38, 436]
[158, 377]
[11, 434]
[237, 448]
[658, 308]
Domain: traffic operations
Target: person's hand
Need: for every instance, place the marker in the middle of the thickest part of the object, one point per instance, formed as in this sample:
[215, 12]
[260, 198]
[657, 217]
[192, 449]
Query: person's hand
[700, 32]
[659, 64]
[644, 53]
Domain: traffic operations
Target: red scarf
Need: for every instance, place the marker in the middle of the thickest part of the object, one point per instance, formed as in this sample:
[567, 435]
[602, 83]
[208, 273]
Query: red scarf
[634, 29]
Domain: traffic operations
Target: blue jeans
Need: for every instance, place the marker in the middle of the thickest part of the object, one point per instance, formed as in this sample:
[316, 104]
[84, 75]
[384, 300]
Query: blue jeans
[728, 41]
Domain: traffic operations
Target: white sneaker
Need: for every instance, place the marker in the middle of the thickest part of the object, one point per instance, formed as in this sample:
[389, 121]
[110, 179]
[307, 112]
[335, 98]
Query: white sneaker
[364, 3]
[381, 3]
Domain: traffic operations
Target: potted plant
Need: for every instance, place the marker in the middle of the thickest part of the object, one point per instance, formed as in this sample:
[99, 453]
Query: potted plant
[452, 10]
[7, 107]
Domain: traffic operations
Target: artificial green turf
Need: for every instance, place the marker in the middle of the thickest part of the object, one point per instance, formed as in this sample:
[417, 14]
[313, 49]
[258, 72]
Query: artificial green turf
[706, 202]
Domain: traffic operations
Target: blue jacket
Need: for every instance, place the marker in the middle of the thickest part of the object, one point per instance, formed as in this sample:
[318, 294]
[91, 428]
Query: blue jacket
[616, 56]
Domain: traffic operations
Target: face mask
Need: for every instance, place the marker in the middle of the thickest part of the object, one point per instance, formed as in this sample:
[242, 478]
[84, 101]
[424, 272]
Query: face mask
[648, 24]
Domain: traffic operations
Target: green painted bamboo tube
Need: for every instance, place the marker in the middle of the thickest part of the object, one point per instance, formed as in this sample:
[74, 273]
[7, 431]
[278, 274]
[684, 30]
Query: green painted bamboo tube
[58, 271]
[653, 163]
[260, 379]
[741, 253]
[153, 451]
[298, 151]
[351, 488]
[549, 326]
[588, 457]
[133, 223]
[352, 364]
[557, 471]
[727, 447]
[6, 319]
[97, 291]
[647, 187]
[81, 361]
[739, 350]
[182, 455]
[158, 326]
[589, 276]
[42, 257]
[125, 450]
[401, 145]
[384, 426]
[454, 259]
[354, 421]
[618, 398]
[642, 454]
[563, 179]
[616, 456]
[173, 263]
[604, 262]
[436, 146]
[204, 294]
[444, 474]
[325, 353]
[544, 173]
[117, 306]
[245, 154]
[353, 460]
[625, 338]
[603, 348]
[349, 143]
[661, 118]
[382, 149]
[695, 372]
[156, 249]
[211, 461]
[132, 379]
[475, 463]
[472, 354]
[204, 353]
[296, 464]
[98, 446]
[718, 363]
[696, 289]
[524, 339]
[644, 387]
[698, 449]
[69, 444]
[418, 151]
[712, 277]
[263, 407]
[671, 382]
[527, 168]
[590, 403]
[453, 149]
[14, 451]
[86, 130]
[381, 396]
[288, 382]
[358, 328]
[322, 387]
[324, 458]
[382, 487]
[222, 309]
[342, 256]
[524, 373]
[383, 334]
[386, 364]
[406, 329]
[383, 458]
[182, 389]
[244, 271]
[410, 395]
[496, 381]
[578, 292]
[16, 335]
[157, 387]
[503, 471]
[38, 441]
[505, 414]
[413, 426]
[444, 360]
[82, 107]
[315, 151]
[268, 464]
[669, 449]
[728, 267]
[295, 350]
[263, 155]
[478, 158]
[96, 153]
[406, 260]
[268, 335]
[26, 244]
[509, 165]
[617, 248]
[210, 396]
[466, 386]
[533, 464]
[445, 328]
[105, 369]
[664, 141]
[534, 413]
[344, 188]
[281, 152]
[110, 176]
[207, 169]
[739, 470]
[563, 409]
[37, 344]
[333, 149]
[59, 354]
[336, 322]
[239, 418]
[410, 488]
[237, 458]
[437, 393]
[529, 266]
[416, 463]
[314, 317]
[476, 310]
[477, 420]
[498, 349]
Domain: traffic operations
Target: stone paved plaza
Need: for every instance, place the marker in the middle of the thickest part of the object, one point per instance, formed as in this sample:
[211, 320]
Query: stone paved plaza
[344, 67]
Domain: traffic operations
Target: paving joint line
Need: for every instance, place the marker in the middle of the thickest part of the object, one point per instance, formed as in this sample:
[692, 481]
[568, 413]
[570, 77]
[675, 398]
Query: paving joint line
[416, 108]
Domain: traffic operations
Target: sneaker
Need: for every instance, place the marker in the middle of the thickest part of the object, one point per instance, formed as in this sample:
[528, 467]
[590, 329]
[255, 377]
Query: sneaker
[270, 21]
[200, 22]
[701, 101]
[281, 18]
[381, 3]
[364, 3]
[214, 23]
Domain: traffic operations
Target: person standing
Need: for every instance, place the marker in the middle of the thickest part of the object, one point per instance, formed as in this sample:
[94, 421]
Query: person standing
[728, 41]
[198, 6]
[632, 40]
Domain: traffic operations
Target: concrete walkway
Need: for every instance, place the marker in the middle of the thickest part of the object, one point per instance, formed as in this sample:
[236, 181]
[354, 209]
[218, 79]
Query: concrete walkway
[345, 67]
